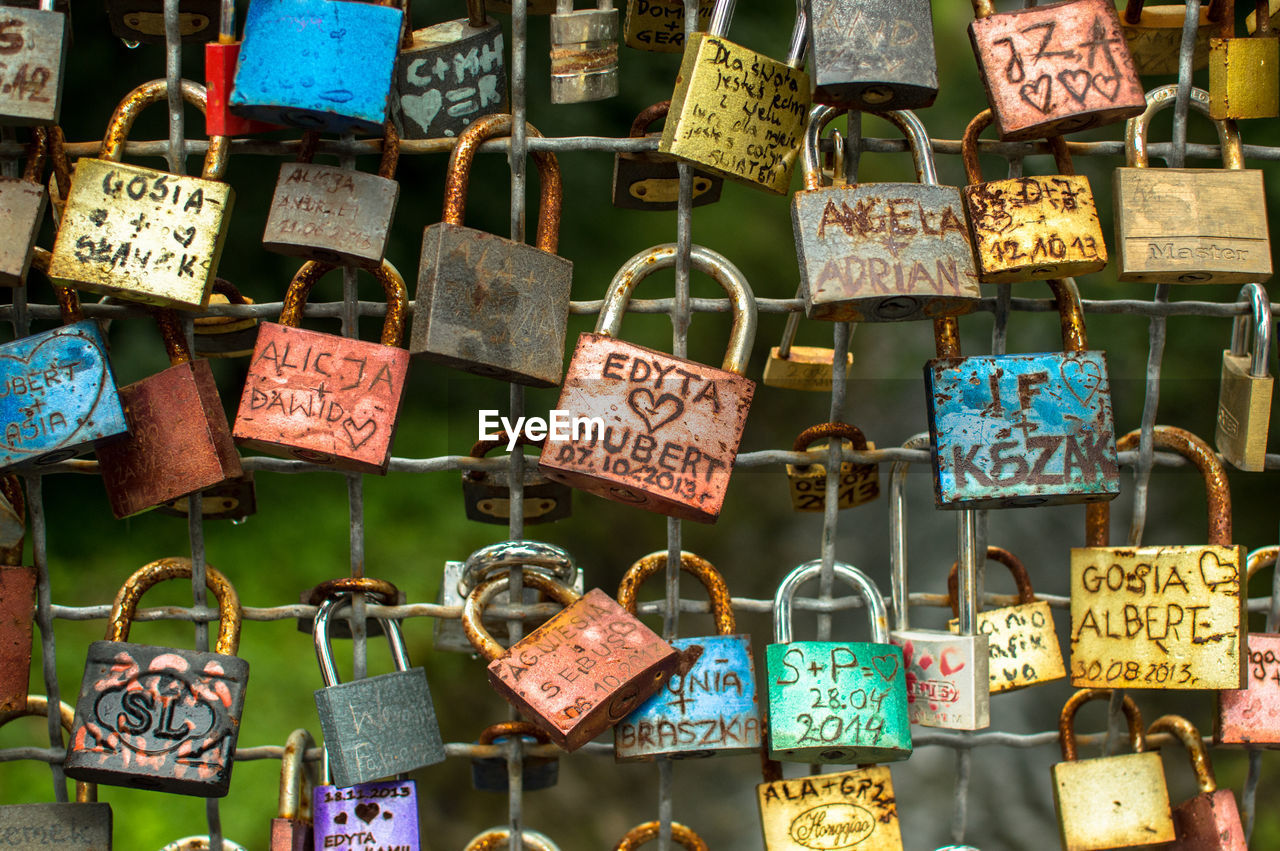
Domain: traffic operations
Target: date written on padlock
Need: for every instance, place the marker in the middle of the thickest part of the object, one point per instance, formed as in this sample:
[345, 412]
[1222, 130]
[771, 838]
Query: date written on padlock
[367, 816]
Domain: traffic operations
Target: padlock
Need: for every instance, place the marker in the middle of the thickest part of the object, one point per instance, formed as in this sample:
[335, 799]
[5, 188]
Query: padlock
[374, 590]
[721, 89]
[367, 816]
[645, 833]
[1211, 820]
[1031, 228]
[1154, 34]
[1244, 394]
[489, 773]
[658, 25]
[500, 837]
[1251, 716]
[82, 826]
[234, 500]
[881, 252]
[377, 726]
[142, 234]
[802, 367]
[22, 204]
[35, 53]
[632, 393]
[1163, 617]
[1018, 430]
[220, 59]
[1243, 78]
[1189, 225]
[317, 64]
[487, 304]
[201, 843]
[708, 707]
[1022, 640]
[857, 808]
[647, 180]
[859, 711]
[291, 828]
[630, 661]
[486, 494]
[337, 401]
[584, 52]
[448, 75]
[142, 21]
[872, 54]
[58, 395]
[225, 336]
[160, 718]
[859, 483]
[335, 215]
[17, 612]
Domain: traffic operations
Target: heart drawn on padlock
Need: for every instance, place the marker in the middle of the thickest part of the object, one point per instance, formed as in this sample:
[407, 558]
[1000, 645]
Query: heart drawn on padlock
[950, 661]
[886, 666]
[367, 811]
[65, 351]
[359, 434]
[1031, 93]
[1083, 378]
[656, 412]
[1107, 85]
[1076, 83]
[1214, 573]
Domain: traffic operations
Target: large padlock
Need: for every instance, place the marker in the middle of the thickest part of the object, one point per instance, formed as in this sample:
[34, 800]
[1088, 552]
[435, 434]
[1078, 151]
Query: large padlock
[1251, 715]
[647, 180]
[500, 837]
[486, 494]
[377, 726]
[1154, 34]
[291, 828]
[142, 234]
[736, 112]
[142, 21]
[220, 58]
[667, 429]
[160, 718]
[1243, 82]
[82, 826]
[1210, 821]
[489, 773]
[1031, 228]
[630, 661]
[336, 215]
[368, 816]
[881, 252]
[872, 54]
[1244, 394]
[859, 483]
[642, 834]
[857, 808]
[337, 400]
[487, 304]
[22, 202]
[35, 53]
[178, 442]
[17, 601]
[584, 52]
[708, 707]
[318, 64]
[1163, 617]
[1189, 225]
[802, 367]
[658, 25]
[836, 701]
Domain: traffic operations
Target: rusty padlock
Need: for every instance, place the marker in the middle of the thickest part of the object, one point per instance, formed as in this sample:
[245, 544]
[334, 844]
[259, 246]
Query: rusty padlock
[291, 828]
[645, 833]
[1250, 716]
[486, 494]
[859, 483]
[22, 204]
[1244, 392]
[234, 500]
[17, 599]
[225, 336]
[1209, 821]
[647, 180]
[802, 367]
[1154, 34]
[142, 21]
[35, 51]
[490, 774]
[584, 52]
[500, 837]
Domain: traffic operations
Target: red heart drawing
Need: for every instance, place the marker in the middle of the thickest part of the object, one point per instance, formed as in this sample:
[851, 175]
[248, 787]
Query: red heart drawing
[949, 667]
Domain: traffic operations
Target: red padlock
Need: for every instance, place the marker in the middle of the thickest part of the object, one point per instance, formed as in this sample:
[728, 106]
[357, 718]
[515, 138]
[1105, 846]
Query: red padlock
[219, 72]
[1211, 820]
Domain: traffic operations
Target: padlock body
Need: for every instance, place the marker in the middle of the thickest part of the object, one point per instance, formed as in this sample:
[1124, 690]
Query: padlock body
[1158, 617]
[58, 396]
[171, 262]
[368, 816]
[1020, 430]
[643, 181]
[1156, 40]
[947, 678]
[491, 306]
[35, 53]
[1191, 225]
[17, 610]
[1033, 228]
[883, 252]
[543, 676]
[1244, 413]
[65, 826]
[709, 710]
[322, 398]
[143, 20]
[1243, 78]
[667, 430]
[1211, 821]
[489, 774]
[219, 75]
[335, 215]
[452, 74]
[1251, 715]
[1054, 69]
[234, 499]
[832, 701]
[859, 484]
[22, 206]
[488, 499]
[289, 834]
[157, 718]
[1022, 644]
[658, 25]
[158, 461]
[447, 633]
[747, 128]
[1112, 802]
[872, 54]
[851, 809]
[804, 368]
[584, 55]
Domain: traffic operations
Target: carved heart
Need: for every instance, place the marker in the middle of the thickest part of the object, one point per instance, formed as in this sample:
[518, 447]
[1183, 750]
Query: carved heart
[1076, 83]
[652, 410]
[367, 811]
[1032, 94]
[340, 818]
[1214, 573]
[67, 351]
[1107, 85]
[359, 434]
[886, 666]
[422, 109]
[952, 660]
[184, 236]
[1083, 378]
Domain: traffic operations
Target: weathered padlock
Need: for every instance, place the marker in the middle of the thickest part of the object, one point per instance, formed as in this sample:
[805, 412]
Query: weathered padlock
[1031, 228]
[658, 25]
[370, 815]
[1251, 715]
[340, 625]
[35, 53]
[317, 64]
[708, 707]
[337, 400]
[82, 826]
[220, 59]
[1243, 82]
[646, 180]
[881, 252]
[1211, 820]
[142, 21]
[1244, 394]
[377, 726]
[500, 837]
[546, 674]
[160, 718]
[225, 336]
[142, 234]
[1163, 617]
[1110, 801]
[736, 112]
[234, 500]
[17, 604]
[22, 203]
[857, 808]
[486, 494]
[802, 367]
[291, 828]
[859, 712]
[645, 833]
[336, 215]
[489, 773]
[872, 54]
[584, 52]
[632, 393]
[859, 483]
[1189, 225]
[487, 304]
[1154, 34]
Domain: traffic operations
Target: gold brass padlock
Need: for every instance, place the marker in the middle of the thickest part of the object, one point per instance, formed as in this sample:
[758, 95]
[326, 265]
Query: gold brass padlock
[1154, 34]
[1244, 396]
[848, 809]
[859, 483]
[802, 367]
[1244, 73]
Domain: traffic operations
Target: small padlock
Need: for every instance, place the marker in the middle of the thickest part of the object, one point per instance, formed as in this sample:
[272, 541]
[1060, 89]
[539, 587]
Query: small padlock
[336, 402]
[658, 25]
[1244, 394]
[486, 494]
[708, 707]
[234, 500]
[160, 718]
[500, 837]
[377, 726]
[377, 815]
[35, 54]
[669, 428]
[220, 59]
[647, 180]
[335, 215]
[1031, 228]
[23, 202]
[142, 234]
[584, 52]
[802, 367]
[142, 21]
[487, 304]
[201, 843]
[489, 773]
[1189, 225]
[291, 828]
[1244, 81]
[859, 483]
[645, 833]
[859, 711]
[872, 54]
[340, 625]
[854, 807]
[17, 612]
[1251, 716]
[1154, 34]
[1211, 820]
[225, 336]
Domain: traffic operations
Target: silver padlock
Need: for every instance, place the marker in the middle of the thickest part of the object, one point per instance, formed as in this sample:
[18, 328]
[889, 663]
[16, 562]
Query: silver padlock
[201, 843]
[34, 50]
[584, 52]
[1244, 396]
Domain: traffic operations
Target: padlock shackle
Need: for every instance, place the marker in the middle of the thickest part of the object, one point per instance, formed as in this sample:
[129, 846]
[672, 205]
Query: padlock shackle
[485, 445]
[644, 833]
[295, 297]
[37, 153]
[1257, 560]
[1195, 450]
[1135, 129]
[1262, 19]
[648, 116]
[1067, 720]
[721, 17]
[1075, 335]
[296, 774]
[1185, 732]
[483, 594]
[711, 263]
[535, 556]
[171, 333]
[1260, 327]
[862, 585]
[898, 532]
[507, 729]
[38, 706]
[790, 329]
[983, 9]
[227, 22]
[162, 570]
[905, 120]
[696, 566]
[969, 149]
[11, 491]
[68, 298]
[826, 431]
[215, 160]
[1133, 10]
[380, 589]
[61, 168]
[500, 837]
[386, 165]
[324, 652]
[998, 554]
[476, 15]
[946, 336]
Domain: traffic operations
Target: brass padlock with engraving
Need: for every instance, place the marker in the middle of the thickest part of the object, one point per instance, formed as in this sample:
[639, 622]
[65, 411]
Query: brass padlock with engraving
[802, 367]
[847, 809]
[1154, 34]
[859, 483]
[1244, 396]
[658, 25]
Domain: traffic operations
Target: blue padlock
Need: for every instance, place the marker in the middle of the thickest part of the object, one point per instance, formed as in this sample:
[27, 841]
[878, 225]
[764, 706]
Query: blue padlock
[317, 64]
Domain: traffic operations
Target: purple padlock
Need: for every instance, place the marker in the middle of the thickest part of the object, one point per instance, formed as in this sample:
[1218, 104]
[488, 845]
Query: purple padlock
[367, 817]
